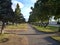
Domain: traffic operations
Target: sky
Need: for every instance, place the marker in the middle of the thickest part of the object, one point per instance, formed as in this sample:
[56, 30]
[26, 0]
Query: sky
[25, 6]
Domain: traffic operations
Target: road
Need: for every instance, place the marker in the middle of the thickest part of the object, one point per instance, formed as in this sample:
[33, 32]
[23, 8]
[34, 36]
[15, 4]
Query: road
[35, 37]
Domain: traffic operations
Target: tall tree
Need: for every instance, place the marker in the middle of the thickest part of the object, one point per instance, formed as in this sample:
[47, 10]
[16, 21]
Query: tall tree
[5, 12]
[17, 10]
[45, 9]
[40, 11]
[18, 15]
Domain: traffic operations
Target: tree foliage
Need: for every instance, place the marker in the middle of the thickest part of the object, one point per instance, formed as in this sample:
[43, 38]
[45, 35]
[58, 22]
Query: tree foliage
[44, 9]
[6, 12]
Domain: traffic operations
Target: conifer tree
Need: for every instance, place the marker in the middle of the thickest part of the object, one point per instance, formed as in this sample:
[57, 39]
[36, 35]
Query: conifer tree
[18, 15]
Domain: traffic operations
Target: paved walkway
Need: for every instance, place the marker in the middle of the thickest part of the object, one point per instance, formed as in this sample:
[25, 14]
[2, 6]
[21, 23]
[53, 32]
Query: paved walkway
[35, 37]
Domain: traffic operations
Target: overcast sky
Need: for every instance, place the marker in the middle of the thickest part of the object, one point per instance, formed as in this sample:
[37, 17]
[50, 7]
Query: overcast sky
[24, 5]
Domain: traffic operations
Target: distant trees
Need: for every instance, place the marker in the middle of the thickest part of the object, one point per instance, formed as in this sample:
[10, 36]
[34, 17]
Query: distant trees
[44, 9]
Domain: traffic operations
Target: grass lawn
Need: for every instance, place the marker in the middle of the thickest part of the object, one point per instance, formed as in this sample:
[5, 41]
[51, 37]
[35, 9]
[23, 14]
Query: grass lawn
[56, 38]
[16, 27]
[47, 29]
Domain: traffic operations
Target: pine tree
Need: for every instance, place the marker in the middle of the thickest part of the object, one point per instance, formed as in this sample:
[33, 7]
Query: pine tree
[18, 15]
[17, 10]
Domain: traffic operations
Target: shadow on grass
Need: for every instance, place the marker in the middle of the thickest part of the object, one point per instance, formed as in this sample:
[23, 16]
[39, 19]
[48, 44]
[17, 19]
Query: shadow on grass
[4, 40]
[53, 42]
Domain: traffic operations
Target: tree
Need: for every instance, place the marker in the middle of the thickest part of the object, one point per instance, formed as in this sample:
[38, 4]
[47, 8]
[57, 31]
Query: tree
[54, 6]
[5, 12]
[45, 9]
[17, 10]
[18, 15]
[39, 11]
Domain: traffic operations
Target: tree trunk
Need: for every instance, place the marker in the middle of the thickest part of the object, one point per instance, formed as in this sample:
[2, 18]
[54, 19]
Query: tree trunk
[3, 25]
[46, 24]
[59, 28]
[12, 23]
[6, 23]
[41, 24]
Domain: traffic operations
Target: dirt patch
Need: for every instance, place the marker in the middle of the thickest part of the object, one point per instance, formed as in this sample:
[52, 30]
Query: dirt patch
[16, 40]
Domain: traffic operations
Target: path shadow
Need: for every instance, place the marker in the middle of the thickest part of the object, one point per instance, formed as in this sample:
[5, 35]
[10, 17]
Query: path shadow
[53, 42]
[22, 34]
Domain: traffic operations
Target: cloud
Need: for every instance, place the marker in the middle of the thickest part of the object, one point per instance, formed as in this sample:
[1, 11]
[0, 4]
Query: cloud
[33, 1]
[27, 9]
[15, 3]
[25, 12]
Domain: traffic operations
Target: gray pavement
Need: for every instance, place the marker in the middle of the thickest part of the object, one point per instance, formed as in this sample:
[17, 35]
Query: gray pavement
[35, 37]
[41, 40]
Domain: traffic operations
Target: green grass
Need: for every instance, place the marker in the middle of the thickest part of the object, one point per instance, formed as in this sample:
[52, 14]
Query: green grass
[15, 27]
[56, 38]
[47, 29]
